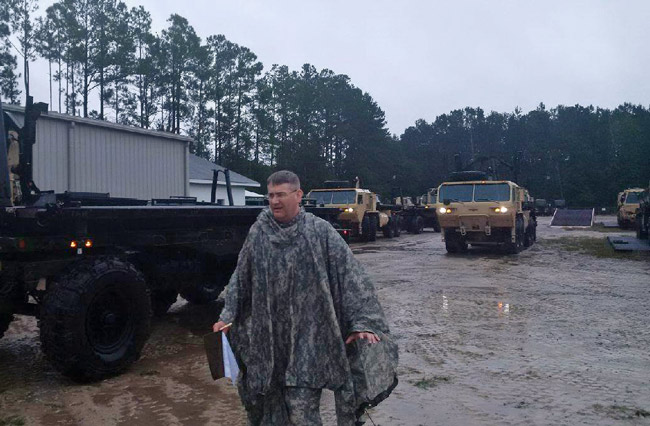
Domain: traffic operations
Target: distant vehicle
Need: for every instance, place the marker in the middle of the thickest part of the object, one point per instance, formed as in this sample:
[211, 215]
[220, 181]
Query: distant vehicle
[542, 207]
[628, 203]
[558, 204]
[421, 213]
[497, 213]
[643, 215]
[360, 210]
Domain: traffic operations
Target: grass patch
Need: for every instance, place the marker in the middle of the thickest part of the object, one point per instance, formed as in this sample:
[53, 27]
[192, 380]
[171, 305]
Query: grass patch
[620, 412]
[431, 382]
[598, 247]
[599, 227]
[13, 421]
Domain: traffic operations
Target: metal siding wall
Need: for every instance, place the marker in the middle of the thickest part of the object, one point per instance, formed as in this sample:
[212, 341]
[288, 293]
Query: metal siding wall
[50, 155]
[125, 164]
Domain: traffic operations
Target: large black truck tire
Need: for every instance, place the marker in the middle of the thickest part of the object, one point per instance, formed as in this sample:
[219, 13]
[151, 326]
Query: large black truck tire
[514, 248]
[417, 225]
[389, 229]
[398, 226]
[95, 319]
[162, 300]
[531, 234]
[641, 226]
[454, 243]
[369, 228]
[209, 279]
[206, 290]
[5, 320]
[372, 230]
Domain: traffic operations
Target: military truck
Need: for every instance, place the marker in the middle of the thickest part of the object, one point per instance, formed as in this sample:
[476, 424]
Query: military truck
[419, 214]
[94, 268]
[643, 215]
[628, 203]
[361, 211]
[482, 212]
[542, 207]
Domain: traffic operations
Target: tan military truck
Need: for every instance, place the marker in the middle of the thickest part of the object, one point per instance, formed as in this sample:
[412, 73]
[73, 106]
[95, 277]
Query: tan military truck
[496, 213]
[643, 215]
[417, 215]
[628, 203]
[361, 211]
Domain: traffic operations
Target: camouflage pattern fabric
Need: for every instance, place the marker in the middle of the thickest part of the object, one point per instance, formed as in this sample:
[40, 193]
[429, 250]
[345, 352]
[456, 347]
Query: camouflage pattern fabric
[296, 294]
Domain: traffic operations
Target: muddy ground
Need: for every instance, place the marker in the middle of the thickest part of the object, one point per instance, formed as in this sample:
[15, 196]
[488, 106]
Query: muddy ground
[557, 335]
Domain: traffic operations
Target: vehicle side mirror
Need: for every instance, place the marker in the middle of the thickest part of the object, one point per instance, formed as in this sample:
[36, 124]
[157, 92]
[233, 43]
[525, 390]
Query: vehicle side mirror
[446, 201]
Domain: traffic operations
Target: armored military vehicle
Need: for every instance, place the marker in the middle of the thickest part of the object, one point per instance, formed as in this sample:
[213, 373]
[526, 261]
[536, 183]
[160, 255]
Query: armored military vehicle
[643, 215]
[419, 214]
[482, 212]
[628, 203]
[542, 207]
[361, 211]
[94, 268]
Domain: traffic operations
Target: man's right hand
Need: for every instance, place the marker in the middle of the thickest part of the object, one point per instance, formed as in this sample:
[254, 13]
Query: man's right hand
[221, 326]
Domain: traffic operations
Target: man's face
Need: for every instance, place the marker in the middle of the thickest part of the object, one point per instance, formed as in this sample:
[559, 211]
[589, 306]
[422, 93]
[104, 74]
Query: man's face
[284, 201]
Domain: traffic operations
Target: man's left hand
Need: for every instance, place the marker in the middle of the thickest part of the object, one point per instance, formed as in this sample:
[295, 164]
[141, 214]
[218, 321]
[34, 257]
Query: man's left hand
[370, 337]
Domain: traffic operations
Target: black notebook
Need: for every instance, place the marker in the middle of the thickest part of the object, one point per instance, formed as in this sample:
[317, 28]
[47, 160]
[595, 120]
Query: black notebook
[214, 351]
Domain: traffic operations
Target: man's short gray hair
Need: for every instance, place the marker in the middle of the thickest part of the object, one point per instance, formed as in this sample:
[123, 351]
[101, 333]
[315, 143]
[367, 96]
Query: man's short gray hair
[284, 176]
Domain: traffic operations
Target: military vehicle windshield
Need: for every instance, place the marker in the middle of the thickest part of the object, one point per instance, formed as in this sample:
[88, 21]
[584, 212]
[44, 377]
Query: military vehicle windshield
[632, 198]
[456, 192]
[475, 192]
[333, 197]
[492, 192]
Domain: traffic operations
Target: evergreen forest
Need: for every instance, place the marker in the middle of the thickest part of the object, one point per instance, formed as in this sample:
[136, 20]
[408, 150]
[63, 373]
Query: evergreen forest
[105, 62]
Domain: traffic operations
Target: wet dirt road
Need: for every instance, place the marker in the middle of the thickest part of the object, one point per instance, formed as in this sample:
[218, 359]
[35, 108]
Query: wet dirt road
[551, 336]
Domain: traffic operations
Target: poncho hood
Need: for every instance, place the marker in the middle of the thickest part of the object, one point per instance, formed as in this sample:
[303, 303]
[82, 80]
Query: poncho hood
[282, 234]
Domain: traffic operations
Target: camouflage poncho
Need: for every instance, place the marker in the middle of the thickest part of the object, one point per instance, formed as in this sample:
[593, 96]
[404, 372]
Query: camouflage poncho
[295, 296]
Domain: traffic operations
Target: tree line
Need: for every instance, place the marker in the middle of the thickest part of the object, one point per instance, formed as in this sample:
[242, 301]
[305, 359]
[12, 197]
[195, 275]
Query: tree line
[584, 155]
[105, 62]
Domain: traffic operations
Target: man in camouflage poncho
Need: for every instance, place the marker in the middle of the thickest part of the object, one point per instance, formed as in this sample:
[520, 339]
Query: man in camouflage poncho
[297, 300]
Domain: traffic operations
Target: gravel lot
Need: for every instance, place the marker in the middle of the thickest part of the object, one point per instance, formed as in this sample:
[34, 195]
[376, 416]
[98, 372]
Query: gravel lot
[557, 335]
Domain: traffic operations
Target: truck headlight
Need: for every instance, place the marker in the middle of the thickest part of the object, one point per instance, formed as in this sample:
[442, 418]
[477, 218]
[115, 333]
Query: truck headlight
[349, 210]
[442, 210]
[501, 210]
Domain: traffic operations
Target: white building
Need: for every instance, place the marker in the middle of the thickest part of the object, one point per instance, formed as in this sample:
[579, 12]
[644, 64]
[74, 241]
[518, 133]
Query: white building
[201, 172]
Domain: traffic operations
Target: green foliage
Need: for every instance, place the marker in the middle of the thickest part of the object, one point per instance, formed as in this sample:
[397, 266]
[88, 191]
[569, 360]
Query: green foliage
[597, 247]
[315, 122]
[8, 76]
[12, 421]
[431, 382]
[585, 155]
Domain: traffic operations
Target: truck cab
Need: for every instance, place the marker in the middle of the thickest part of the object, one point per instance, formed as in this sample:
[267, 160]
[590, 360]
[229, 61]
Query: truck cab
[360, 209]
[628, 204]
[496, 213]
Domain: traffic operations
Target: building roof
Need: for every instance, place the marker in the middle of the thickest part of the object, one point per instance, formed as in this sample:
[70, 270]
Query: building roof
[201, 171]
[16, 113]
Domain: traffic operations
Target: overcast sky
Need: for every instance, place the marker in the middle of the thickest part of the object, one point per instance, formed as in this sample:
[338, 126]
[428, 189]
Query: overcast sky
[423, 58]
